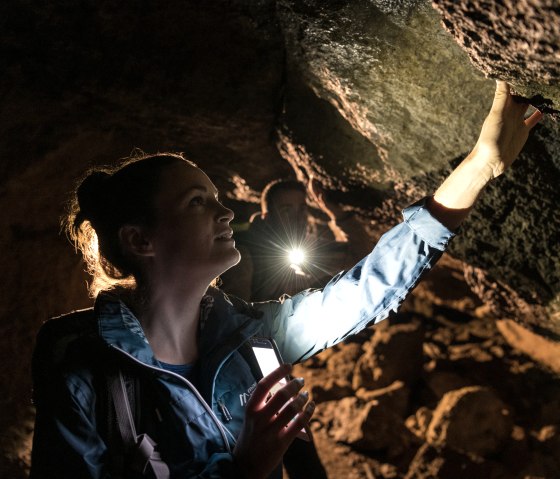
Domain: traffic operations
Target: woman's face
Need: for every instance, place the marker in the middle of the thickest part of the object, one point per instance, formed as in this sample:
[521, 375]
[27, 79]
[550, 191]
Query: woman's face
[192, 238]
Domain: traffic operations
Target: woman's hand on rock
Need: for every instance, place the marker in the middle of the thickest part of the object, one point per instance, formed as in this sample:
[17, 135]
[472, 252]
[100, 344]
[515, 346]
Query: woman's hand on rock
[504, 131]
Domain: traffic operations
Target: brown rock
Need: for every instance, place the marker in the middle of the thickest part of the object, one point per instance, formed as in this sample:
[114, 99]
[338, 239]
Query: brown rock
[418, 423]
[395, 397]
[540, 349]
[391, 355]
[473, 420]
[330, 391]
[341, 364]
[516, 41]
[471, 351]
[441, 382]
[517, 451]
[368, 426]
[438, 462]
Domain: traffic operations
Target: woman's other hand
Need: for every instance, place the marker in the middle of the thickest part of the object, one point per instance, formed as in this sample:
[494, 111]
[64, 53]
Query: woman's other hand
[501, 139]
[504, 131]
[268, 429]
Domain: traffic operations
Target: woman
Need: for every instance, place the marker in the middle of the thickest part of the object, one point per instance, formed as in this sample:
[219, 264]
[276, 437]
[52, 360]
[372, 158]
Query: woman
[164, 235]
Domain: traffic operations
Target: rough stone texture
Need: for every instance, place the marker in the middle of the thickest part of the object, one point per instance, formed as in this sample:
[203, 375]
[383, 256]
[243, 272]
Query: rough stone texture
[540, 349]
[460, 410]
[510, 239]
[515, 41]
[395, 397]
[174, 75]
[367, 426]
[388, 77]
[341, 363]
[331, 390]
[365, 75]
[441, 382]
[419, 422]
[393, 354]
[431, 462]
[532, 393]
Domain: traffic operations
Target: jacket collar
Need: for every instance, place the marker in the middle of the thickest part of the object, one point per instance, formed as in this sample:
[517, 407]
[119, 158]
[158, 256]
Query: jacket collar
[119, 327]
[223, 327]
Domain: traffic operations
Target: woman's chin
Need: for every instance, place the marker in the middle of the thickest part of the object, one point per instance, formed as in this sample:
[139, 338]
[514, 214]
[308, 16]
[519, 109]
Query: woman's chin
[235, 258]
[232, 259]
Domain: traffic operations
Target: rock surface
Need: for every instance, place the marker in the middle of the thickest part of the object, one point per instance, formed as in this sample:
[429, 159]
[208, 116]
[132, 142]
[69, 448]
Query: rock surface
[540, 349]
[394, 353]
[471, 420]
[515, 41]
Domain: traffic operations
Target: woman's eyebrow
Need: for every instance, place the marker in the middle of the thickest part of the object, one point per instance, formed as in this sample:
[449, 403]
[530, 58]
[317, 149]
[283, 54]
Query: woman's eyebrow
[201, 188]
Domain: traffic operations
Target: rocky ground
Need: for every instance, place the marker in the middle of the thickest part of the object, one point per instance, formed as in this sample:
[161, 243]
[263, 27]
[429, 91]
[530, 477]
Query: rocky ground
[436, 391]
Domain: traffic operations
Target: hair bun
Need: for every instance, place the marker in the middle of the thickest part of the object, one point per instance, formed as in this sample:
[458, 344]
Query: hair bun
[91, 194]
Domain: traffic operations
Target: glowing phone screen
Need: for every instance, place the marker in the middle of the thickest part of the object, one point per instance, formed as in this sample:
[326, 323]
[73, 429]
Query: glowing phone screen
[268, 362]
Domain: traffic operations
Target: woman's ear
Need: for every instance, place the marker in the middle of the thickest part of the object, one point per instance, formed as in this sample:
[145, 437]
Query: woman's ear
[135, 241]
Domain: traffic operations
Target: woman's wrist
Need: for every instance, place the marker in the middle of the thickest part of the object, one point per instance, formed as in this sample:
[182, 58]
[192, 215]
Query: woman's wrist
[462, 188]
[484, 163]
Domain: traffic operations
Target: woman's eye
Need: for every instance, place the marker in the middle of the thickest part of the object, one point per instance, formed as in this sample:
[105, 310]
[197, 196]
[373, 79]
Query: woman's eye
[197, 200]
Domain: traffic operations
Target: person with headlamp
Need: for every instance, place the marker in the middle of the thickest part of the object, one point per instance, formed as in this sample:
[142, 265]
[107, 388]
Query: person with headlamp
[280, 255]
[284, 252]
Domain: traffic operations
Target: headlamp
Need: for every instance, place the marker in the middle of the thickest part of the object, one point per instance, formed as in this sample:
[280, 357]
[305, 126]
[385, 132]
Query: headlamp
[296, 256]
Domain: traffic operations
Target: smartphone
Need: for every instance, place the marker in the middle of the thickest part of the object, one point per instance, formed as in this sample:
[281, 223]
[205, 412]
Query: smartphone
[268, 358]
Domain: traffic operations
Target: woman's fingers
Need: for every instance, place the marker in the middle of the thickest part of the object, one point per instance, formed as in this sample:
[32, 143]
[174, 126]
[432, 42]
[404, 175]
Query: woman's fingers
[264, 386]
[268, 428]
[533, 119]
[300, 421]
[500, 95]
[283, 396]
[290, 411]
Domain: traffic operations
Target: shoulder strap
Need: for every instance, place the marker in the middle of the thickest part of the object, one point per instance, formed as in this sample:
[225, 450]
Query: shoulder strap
[140, 449]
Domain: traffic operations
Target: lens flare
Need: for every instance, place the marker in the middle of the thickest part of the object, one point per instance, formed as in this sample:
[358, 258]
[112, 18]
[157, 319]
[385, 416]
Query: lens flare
[296, 256]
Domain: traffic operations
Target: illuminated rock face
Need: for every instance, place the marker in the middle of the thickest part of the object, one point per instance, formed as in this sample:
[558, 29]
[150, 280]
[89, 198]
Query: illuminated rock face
[516, 41]
[397, 80]
[372, 97]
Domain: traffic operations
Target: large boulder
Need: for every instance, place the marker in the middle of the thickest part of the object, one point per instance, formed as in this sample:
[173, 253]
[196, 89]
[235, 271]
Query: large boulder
[442, 463]
[471, 420]
[393, 353]
[368, 426]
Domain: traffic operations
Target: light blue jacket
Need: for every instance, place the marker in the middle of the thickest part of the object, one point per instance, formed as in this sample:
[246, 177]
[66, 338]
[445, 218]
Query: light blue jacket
[197, 427]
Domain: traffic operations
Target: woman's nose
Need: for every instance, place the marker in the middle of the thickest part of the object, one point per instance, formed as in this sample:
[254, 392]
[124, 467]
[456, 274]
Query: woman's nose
[225, 214]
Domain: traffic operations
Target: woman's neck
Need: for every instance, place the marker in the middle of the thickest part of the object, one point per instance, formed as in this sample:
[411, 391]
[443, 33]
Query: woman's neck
[170, 321]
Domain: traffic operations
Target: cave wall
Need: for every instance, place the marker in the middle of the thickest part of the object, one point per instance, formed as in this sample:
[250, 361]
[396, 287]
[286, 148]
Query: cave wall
[405, 100]
[376, 99]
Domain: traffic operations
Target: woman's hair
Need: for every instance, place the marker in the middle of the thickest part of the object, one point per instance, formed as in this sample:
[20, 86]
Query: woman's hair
[106, 199]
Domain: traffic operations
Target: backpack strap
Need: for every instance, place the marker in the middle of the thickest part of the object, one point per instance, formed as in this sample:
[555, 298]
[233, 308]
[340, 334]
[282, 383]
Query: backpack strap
[140, 449]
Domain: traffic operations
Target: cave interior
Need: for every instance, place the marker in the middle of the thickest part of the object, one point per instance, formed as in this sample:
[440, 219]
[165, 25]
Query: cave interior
[376, 101]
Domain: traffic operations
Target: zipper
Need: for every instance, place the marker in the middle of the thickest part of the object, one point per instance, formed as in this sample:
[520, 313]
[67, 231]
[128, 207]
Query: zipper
[220, 426]
[227, 415]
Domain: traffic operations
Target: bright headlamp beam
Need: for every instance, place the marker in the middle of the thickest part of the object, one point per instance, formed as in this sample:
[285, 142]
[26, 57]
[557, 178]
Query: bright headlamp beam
[296, 256]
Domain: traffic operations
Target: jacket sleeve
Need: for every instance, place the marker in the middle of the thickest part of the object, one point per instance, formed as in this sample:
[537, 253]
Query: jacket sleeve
[313, 320]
